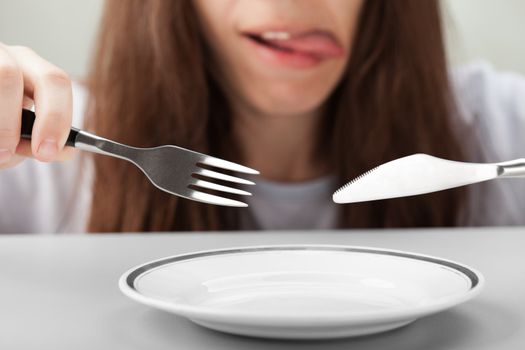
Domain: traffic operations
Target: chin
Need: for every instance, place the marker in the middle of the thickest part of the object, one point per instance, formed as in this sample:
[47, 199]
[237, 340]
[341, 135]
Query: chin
[288, 99]
[288, 108]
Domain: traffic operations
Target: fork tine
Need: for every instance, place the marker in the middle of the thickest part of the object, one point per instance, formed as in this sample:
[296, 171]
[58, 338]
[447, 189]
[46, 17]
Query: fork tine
[220, 176]
[217, 187]
[221, 163]
[212, 199]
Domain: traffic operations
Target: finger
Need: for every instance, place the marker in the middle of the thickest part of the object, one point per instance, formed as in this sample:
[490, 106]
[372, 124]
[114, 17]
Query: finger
[24, 146]
[24, 149]
[28, 103]
[52, 95]
[11, 94]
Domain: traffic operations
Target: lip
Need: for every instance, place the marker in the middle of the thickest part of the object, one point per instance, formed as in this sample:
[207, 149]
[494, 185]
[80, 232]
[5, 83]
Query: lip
[307, 47]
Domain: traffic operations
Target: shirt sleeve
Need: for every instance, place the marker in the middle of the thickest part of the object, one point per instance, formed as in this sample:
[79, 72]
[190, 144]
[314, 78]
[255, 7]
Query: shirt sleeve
[493, 105]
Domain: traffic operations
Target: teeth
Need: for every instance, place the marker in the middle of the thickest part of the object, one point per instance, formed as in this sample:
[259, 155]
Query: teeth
[276, 36]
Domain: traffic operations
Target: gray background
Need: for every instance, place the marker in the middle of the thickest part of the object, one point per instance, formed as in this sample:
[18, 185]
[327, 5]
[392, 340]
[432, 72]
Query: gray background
[63, 31]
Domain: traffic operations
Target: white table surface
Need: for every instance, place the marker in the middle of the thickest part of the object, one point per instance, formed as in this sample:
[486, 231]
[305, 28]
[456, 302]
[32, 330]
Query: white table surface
[60, 292]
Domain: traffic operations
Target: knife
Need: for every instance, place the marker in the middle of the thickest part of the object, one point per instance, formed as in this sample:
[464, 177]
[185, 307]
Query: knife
[419, 174]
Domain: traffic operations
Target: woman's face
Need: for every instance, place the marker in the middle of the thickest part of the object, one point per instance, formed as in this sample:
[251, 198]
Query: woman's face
[280, 57]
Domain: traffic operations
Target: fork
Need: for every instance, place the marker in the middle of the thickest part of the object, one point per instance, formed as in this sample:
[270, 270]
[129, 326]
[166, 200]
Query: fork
[170, 168]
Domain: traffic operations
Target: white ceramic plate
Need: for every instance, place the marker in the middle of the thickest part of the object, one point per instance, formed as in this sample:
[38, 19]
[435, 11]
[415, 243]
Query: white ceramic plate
[303, 292]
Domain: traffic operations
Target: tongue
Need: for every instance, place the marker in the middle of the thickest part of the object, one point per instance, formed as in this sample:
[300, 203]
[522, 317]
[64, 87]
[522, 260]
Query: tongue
[318, 44]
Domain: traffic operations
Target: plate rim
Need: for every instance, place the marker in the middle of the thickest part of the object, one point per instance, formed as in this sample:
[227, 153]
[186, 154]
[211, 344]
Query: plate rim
[209, 313]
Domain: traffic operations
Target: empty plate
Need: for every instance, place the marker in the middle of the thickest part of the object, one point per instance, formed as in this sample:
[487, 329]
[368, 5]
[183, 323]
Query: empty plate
[302, 292]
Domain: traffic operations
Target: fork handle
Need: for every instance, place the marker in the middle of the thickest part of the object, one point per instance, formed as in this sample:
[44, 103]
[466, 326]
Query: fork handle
[82, 140]
[28, 121]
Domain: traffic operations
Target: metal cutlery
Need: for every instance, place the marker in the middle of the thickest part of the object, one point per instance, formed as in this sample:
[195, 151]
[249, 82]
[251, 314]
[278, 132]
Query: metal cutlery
[172, 169]
[422, 173]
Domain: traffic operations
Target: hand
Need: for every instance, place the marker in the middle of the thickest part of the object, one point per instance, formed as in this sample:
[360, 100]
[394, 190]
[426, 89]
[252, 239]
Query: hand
[27, 79]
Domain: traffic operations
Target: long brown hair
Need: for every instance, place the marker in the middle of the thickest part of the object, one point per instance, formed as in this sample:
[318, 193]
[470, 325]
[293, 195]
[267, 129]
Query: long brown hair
[151, 84]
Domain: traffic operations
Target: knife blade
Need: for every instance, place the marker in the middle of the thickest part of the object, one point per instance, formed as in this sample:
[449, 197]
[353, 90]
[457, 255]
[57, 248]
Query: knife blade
[419, 174]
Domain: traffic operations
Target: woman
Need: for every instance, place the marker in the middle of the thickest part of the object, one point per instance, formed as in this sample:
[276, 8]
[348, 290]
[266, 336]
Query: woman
[310, 93]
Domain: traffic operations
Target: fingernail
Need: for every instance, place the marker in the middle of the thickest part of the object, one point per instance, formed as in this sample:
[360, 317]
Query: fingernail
[5, 155]
[48, 149]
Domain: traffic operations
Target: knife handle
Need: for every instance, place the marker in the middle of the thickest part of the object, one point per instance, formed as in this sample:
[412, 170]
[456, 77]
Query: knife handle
[513, 168]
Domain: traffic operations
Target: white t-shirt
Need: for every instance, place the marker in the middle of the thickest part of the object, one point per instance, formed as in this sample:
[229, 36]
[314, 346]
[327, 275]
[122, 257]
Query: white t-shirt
[48, 198]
